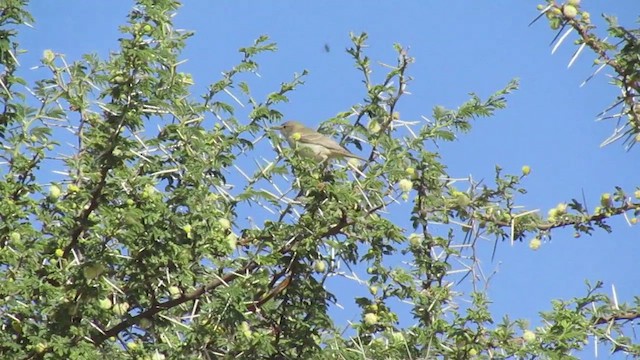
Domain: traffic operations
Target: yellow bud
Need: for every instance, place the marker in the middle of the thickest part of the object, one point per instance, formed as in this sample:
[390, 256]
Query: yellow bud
[410, 171]
[374, 126]
[48, 56]
[605, 200]
[415, 239]
[569, 11]
[535, 243]
[187, 228]
[405, 185]
[370, 318]
[59, 253]
[319, 266]
[397, 336]
[40, 348]
[526, 170]
[529, 336]
[15, 236]
[224, 223]
[146, 29]
[175, 292]
[561, 208]
[54, 192]
[296, 136]
[105, 303]
[633, 220]
[121, 308]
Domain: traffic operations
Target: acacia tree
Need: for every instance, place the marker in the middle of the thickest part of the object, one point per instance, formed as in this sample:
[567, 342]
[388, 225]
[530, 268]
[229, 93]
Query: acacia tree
[139, 248]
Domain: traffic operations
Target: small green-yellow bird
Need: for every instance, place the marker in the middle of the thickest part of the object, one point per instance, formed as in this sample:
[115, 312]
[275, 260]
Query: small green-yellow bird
[312, 144]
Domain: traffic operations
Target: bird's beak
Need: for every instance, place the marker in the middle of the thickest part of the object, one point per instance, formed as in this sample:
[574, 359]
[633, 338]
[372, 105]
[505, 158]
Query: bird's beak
[276, 128]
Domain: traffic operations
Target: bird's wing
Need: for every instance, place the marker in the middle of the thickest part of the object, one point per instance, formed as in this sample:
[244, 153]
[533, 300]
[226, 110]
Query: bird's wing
[320, 139]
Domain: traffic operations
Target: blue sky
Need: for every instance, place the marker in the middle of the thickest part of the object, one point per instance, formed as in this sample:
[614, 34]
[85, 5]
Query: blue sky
[459, 47]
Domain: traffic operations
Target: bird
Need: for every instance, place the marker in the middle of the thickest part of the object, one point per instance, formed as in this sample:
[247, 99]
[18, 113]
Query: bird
[313, 144]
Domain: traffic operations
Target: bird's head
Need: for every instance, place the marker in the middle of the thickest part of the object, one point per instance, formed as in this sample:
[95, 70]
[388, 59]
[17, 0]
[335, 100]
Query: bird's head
[289, 127]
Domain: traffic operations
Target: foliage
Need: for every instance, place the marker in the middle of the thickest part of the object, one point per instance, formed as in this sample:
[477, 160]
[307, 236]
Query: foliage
[619, 51]
[139, 249]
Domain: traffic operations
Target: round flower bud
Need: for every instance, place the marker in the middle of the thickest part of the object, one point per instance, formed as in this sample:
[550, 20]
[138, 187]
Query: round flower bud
[529, 336]
[224, 223]
[174, 291]
[105, 303]
[397, 337]
[120, 308]
[526, 170]
[569, 11]
[374, 126]
[561, 208]
[48, 56]
[415, 240]
[319, 266]
[405, 185]
[146, 29]
[15, 236]
[535, 243]
[370, 318]
[40, 348]
[54, 192]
